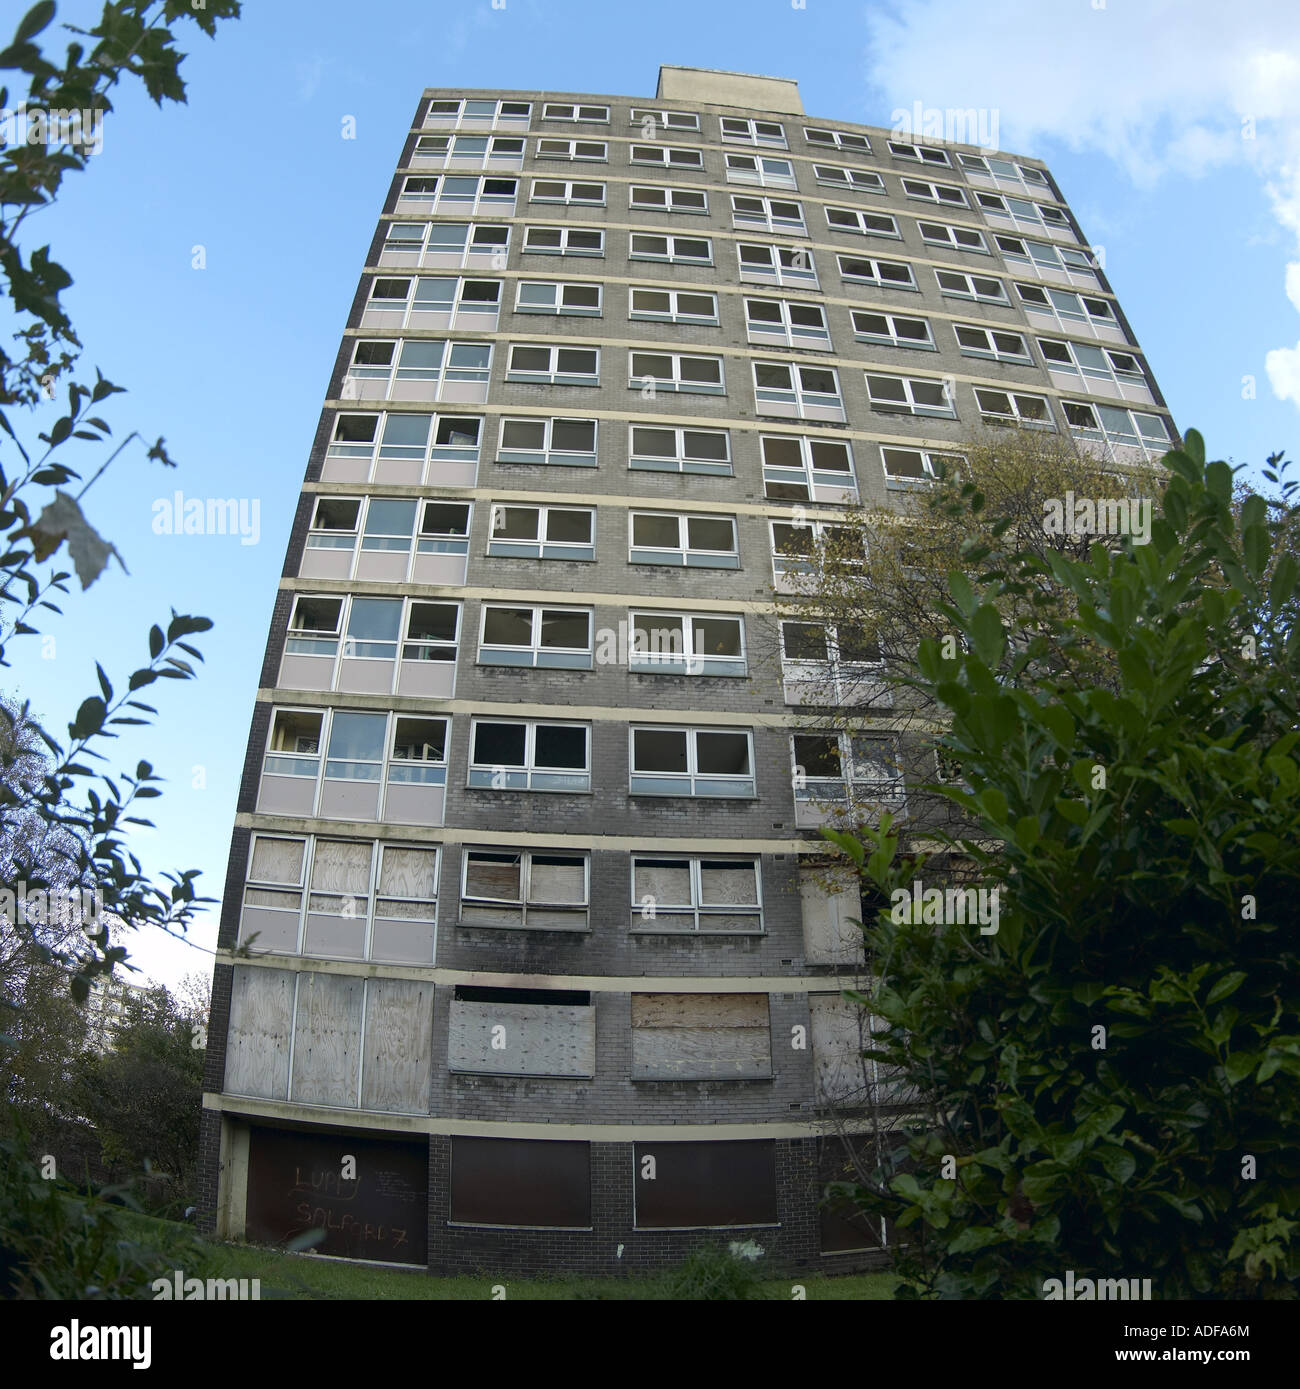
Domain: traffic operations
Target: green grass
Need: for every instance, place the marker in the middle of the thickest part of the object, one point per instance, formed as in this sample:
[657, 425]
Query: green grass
[308, 1276]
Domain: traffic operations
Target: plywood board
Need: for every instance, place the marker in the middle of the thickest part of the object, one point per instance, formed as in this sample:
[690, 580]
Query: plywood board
[396, 1073]
[257, 1043]
[522, 1039]
[327, 1039]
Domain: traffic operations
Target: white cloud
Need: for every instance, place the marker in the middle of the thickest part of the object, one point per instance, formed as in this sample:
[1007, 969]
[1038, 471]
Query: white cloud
[1161, 86]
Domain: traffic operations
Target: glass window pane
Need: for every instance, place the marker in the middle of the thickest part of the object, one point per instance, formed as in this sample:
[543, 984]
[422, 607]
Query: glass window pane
[357, 737]
[658, 750]
[499, 744]
[722, 754]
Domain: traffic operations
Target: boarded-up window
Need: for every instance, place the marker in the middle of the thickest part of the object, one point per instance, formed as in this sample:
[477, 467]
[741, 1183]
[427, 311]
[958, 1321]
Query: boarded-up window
[340, 873]
[518, 1032]
[840, 1030]
[701, 1037]
[257, 1042]
[327, 1040]
[408, 883]
[832, 906]
[704, 1185]
[696, 894]
[276, 861]
[844, 1228]
[520, 1182]
[533, 891]
[294, 1185]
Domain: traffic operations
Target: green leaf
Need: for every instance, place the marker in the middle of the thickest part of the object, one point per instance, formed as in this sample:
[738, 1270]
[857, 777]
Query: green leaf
[1255, 549]
[1229, 984]
[987, 636]
[89, 720]
[36, 19]
[1283, 583]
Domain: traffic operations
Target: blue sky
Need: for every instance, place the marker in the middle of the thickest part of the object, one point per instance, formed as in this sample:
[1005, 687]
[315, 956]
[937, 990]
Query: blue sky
[1172, 127]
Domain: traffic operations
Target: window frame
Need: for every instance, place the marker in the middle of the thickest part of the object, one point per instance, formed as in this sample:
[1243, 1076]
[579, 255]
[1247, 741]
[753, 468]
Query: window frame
[514, 548]
[568, 658]
[682, 463]
[560, 309]
[660, 554]
[563, 249]
[548, 456]
[552, 376]
[697, 907]
[671, 255]
[746, 786]
[534, 775]
[688, 661]
[637, 381]
[911, 406]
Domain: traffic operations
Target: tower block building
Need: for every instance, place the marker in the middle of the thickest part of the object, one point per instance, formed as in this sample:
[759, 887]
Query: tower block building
[520, 967]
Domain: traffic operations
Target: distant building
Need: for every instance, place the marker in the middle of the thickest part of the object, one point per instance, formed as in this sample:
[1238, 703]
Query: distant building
[105, 1008]
[537, 978]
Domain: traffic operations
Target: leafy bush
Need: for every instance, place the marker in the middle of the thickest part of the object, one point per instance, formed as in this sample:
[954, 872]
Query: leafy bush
[57, 1243]
[713, 1275]
[1107, 1084]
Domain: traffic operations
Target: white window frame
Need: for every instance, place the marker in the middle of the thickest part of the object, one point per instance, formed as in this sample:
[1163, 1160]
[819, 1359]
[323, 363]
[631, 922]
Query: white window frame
[837, 140]
[526, 902]
[665, 156]
[464, 314]
[372, 450]
[674, 313]
[1003, 173]
[859, 180]
[643, 659]
[688, 783]
[1022, 213]
[638, 381]
[669, 200]
[529, 776]
[463, 120]
[1132, 441]
[564, 249]
[989, 348]
[1016, 416]
[443, 201]
[472, 254]
[951, 236]
[941, 194]
[457, 156]
[771, 134]
[783, 268]
[671, 256]
[807, 473]
[1048, 258]
[1110, 376]
[696, 907]
[571, 111]
[559, 306]
[433, 380]
[926, 457]
[876, 280]
[566, 197]
[665, 120]
[760, 170]
[794, 562]
[1068, 322]
[891, 336]
[797, 394]
[543, 547]
[548, 455]
[889, 791]
[861, 219]
[919, 154]
[765, 217]
[683, 555]
[556, 147]
[552, 376]
[787, 333]
[680, 462]
[533, 654]
[971, 288]
[911, 404]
